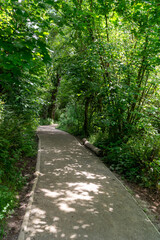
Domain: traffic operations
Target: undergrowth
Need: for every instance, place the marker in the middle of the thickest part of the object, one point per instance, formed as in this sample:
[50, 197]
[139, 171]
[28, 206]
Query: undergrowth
[17, 141]
[136, 158]
[135, 155]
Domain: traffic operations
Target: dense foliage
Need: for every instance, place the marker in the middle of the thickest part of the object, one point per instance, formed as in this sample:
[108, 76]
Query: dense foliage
[93, 66]
[107, 53]
[23, 59]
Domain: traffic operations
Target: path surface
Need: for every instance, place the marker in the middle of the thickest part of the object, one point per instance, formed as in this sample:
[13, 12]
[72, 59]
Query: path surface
[77, 197]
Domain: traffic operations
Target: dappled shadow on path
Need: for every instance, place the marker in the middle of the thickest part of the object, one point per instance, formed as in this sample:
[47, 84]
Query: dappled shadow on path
[75, 195]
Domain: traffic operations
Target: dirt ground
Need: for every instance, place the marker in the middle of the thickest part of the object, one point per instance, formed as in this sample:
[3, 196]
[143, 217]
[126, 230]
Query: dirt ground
[14, 221]
[148, 200]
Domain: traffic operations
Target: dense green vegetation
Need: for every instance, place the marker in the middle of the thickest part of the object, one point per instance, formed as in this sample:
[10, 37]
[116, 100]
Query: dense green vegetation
[106, 56]
[91, 65]
[23, 59]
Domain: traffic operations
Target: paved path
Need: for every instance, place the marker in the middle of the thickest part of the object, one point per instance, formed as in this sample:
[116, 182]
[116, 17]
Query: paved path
[77, 197]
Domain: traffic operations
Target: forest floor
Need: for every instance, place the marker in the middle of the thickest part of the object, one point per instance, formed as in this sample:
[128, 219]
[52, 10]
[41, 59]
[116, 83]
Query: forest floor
[14, 221]
[149, 201]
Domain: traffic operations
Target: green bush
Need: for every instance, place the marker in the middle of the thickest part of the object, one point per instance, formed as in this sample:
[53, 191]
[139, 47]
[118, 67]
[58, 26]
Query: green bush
[7, 202]
[17, 141]
[71, 120]
[138, 159]
[46, 121]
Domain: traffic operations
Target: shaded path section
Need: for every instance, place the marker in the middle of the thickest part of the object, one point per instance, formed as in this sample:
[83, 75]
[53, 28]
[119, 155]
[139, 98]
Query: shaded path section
[77, 197]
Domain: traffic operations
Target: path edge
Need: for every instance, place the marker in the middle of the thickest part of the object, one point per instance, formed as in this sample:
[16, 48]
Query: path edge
[82, 143]
[24, 225]
[129, 190]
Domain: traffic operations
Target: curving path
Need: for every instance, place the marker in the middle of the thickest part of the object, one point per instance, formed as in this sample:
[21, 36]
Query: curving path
[75, 196]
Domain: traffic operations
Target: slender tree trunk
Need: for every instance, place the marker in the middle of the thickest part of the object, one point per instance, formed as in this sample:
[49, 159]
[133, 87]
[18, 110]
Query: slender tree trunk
[140, 79]
[106, 19]
[86, 117]
[54, 93]
[52, 108]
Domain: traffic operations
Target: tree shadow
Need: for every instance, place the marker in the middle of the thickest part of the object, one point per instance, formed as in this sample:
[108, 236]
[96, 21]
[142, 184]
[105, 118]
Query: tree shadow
[77, 197]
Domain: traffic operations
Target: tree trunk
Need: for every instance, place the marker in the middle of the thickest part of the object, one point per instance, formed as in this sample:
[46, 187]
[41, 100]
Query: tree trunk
[52, 108]
[86, 117]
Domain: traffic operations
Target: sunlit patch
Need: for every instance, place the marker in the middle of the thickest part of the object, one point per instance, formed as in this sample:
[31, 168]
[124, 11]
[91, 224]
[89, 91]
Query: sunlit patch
[85, 226]
[89, 175]
[73, 236]
[110, 209]
[80, 221]
[90, 187]
[39, 230]
[38, 221]
[92, 210]
[57, 151]
[64, 207]
[51, 194]
[108, 195]
[137, 196]
[51, 229]
[72, 197]
[38, 212]
[76, 227]
[55, 219]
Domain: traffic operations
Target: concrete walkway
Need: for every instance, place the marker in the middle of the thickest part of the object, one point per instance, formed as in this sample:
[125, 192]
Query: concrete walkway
[77, 197]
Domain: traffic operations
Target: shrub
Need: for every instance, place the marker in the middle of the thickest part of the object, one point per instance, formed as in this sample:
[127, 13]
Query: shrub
[71, 119]
[17, 141]
[138, 159]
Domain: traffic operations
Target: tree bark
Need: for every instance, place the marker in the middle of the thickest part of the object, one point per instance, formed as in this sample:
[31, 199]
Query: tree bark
[86, 117]
[52, 108]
